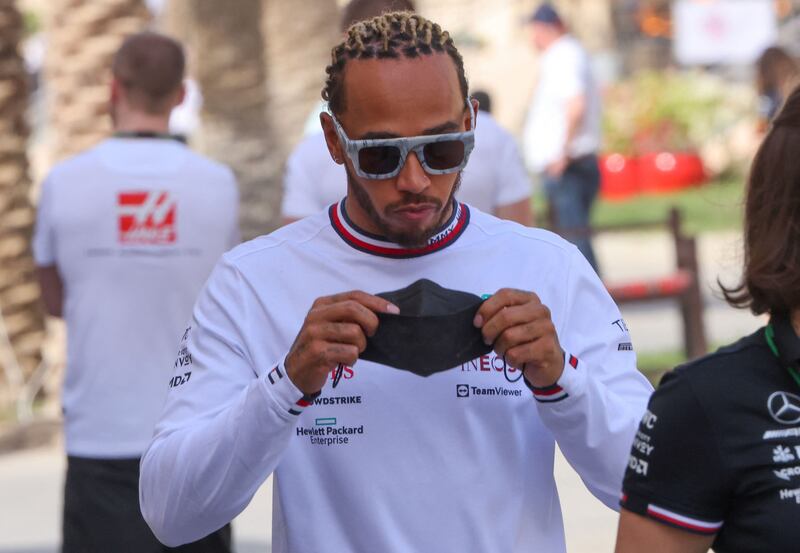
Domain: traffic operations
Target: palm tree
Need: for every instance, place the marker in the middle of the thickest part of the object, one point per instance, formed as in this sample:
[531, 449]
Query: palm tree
[260, 66]
[229, 67]
[82, 39]
[21, 315]
[298, 49]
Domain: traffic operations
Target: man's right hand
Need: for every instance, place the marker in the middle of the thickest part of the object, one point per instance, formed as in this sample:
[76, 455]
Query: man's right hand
[334, 331]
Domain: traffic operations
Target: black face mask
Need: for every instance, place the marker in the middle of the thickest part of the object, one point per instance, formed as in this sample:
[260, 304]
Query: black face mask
[433, 332]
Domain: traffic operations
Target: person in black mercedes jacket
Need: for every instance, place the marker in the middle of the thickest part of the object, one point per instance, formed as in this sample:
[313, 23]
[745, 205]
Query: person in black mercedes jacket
[716, 460]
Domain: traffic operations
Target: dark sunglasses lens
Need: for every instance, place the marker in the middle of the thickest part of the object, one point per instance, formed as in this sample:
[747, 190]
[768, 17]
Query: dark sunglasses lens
[444, 155]
[379, 160]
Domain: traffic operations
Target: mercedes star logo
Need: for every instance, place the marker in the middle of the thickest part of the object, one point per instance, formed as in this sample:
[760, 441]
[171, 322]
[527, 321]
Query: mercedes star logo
[784, 407]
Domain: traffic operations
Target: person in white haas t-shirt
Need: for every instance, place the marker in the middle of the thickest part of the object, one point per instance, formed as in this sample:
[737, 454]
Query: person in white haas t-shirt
[386, 460]
[495, 181]
[127, 232]
[563, 126]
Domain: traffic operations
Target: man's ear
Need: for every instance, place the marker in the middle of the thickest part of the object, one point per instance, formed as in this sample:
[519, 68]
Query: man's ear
[115, 91]
[180, 96]
[331, 138]
[469, 123]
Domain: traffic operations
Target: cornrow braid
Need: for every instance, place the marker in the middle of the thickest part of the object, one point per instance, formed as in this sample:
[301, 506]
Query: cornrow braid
[391, 35]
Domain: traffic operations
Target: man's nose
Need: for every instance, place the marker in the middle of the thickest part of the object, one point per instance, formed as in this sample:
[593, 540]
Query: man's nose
[412, 177]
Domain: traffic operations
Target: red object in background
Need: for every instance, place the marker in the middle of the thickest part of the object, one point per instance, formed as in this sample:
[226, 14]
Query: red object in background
[653, 173]
[619, 177]
[663, 172]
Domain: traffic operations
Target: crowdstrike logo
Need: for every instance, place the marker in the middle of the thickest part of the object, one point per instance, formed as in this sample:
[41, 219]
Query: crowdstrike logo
[784, 407]
[146, 217]
[787, 473]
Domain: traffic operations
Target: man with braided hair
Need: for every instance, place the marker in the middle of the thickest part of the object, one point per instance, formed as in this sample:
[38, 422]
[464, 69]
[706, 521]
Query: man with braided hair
[496, 180]
[300, 366]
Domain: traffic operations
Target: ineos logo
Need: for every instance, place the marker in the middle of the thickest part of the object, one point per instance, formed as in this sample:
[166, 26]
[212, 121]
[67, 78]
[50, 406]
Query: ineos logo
[784, 407]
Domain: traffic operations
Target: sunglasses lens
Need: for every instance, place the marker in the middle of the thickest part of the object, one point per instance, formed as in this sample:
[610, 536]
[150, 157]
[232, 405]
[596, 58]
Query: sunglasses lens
[444, 155]
[379, 160]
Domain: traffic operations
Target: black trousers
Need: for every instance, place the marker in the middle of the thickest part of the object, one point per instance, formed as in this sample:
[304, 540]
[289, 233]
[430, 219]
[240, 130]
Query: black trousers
[102, 515]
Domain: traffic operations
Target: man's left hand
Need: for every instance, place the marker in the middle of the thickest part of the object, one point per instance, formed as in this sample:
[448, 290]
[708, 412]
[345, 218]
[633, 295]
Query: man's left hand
[556, 169]
[520, 328]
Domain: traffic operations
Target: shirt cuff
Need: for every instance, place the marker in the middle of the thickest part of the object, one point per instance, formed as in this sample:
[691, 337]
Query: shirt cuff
[284, 394]
[571, 383]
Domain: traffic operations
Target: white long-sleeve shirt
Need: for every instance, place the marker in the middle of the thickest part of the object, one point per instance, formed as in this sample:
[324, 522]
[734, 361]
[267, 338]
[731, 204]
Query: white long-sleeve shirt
[390, 461]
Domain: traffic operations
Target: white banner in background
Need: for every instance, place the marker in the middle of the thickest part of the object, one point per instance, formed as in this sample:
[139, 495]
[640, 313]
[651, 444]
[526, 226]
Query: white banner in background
[722, 31]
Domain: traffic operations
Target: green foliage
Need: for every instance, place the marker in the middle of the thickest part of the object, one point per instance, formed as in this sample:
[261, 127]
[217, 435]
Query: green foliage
[671, 110]
[713, 206]
[654, 364]
[32, 22]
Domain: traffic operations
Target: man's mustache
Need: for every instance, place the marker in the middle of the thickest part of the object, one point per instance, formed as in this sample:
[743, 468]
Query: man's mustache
[414, 199]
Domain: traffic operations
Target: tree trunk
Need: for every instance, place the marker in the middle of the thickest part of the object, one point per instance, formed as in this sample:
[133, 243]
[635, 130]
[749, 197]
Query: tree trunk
[230, 68]
[298, 50]
[591, 21]
[20, 309]
[82, 39]
[257, 92]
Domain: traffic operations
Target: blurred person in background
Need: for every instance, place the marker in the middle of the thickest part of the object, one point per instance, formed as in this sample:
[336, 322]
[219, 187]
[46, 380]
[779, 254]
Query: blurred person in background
[495, 182]
[716, 460]
[390, 461]
[777, 73]
[126, 234]
[562, 129]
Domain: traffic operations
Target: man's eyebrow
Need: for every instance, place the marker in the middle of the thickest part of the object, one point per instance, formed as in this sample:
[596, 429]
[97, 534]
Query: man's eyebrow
[449, 126]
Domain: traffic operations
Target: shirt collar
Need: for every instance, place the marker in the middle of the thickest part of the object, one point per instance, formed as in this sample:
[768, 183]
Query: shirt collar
[380, 246]
[150, 134]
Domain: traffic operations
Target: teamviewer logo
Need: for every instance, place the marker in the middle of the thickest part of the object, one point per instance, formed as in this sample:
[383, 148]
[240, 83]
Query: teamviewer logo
[462, 390]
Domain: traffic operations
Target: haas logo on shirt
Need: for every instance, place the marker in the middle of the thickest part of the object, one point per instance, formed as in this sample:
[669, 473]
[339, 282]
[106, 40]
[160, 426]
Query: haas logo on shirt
[146, 217]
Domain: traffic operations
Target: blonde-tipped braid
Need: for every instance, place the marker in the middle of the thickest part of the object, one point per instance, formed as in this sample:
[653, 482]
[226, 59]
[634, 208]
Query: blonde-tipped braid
[391, 35]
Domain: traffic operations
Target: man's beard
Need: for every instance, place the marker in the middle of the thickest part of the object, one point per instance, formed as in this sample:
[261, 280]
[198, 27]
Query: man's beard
[411, 238]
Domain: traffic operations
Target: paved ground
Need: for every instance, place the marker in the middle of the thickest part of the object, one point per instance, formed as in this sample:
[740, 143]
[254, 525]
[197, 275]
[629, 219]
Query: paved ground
[30, 503]
[657, 326]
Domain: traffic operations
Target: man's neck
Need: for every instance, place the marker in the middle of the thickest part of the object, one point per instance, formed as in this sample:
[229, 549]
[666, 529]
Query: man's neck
[795, 318]
[558, 38]
[142, 122]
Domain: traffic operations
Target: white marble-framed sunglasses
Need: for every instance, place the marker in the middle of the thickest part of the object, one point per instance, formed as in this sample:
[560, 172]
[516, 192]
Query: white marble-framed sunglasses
[384, 158]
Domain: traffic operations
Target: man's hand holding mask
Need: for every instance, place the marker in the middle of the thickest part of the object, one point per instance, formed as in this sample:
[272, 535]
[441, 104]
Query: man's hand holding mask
[335, 331]
[519, 327]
